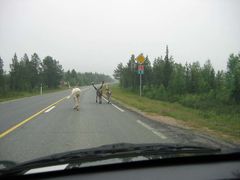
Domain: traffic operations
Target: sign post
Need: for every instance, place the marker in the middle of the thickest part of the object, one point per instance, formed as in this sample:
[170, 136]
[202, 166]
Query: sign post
[140, 59]
[140, 86]
[41, 89]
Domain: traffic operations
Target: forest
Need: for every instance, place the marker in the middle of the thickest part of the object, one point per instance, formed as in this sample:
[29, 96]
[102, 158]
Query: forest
[190, 84]
[28, 74]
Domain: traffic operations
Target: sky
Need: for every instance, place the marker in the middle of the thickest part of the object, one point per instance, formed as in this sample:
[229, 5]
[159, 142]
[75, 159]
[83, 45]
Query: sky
[96, 35]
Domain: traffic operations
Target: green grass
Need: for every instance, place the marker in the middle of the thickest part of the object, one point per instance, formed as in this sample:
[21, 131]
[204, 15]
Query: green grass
[15, 95]
[226, 126]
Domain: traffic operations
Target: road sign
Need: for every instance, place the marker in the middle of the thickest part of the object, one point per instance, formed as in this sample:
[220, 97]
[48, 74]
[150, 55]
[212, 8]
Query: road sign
[140, 72]
[140, 67]
[140, 59]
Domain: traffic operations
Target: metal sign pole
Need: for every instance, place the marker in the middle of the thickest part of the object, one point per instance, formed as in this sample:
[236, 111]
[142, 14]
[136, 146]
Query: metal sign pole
[41, 89]
[140, 59]
[140, 84]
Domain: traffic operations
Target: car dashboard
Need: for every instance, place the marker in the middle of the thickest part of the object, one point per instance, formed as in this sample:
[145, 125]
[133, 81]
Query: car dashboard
[197, 167]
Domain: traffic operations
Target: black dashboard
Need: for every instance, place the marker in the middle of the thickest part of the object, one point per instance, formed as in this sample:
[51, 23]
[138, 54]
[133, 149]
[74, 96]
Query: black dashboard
[199, 167]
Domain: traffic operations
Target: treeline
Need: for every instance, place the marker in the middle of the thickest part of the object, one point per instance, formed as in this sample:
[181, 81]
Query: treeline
[77, 78]
[190, 84]
[28, 74]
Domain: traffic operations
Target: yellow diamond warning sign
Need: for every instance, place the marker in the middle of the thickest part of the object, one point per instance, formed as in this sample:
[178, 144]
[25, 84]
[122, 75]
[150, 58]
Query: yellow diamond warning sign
[140, 59]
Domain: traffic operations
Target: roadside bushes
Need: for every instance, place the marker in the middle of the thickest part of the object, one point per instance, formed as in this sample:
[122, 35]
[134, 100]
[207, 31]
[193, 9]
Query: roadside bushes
[155, 92]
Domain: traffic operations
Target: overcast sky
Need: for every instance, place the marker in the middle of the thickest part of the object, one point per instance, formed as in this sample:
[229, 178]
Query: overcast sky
[95, 35]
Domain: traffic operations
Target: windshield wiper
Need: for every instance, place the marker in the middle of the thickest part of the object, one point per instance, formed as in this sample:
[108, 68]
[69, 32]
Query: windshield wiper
[138, 149]
[120, 150]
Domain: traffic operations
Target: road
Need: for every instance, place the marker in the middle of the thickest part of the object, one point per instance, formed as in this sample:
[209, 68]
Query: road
[37, 126]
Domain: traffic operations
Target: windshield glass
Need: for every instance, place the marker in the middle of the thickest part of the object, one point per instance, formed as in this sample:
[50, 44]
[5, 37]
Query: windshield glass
[78, 75]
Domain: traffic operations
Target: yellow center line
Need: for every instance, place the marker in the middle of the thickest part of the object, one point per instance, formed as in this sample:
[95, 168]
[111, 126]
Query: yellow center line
[28, 119]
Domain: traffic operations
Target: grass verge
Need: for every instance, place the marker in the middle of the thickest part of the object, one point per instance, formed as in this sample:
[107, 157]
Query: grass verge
[226, 127]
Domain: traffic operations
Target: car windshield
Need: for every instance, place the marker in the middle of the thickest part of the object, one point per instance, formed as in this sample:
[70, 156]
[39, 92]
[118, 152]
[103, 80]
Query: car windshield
[112, 77]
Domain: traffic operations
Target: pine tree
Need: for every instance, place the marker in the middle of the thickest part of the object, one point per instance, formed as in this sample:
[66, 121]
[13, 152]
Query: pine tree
[52, 72]
[2, 81]
[167, 70]
[35, 71]
[14, 73]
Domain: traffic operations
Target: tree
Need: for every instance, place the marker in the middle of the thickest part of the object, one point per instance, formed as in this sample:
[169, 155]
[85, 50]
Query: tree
[188, 78]
[167, 70]
[233, 76]
[25, 73]
[208, 75]
[35, 71]
[147, 77]
[131, 73]
[236, 85]
[2, 81]
[67, 77]
[157, 71]
[118, 71]
[128, 74]
[178, 82]
[195, 77]
[52, 72]
[74, 78]
[14, 73]
[220, 80]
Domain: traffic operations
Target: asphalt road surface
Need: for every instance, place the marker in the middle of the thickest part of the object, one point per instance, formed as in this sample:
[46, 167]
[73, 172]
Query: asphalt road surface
[38, 126]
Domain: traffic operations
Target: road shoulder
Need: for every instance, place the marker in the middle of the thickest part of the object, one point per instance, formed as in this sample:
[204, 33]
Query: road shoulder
[204, 132]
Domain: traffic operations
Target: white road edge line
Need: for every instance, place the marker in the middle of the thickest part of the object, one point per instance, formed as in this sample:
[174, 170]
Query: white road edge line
[51, 108]
[115, 106]
[151, 129]
[118, 108]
